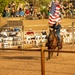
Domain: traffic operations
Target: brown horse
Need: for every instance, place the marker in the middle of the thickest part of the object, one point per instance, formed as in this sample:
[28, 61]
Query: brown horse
[52, 43]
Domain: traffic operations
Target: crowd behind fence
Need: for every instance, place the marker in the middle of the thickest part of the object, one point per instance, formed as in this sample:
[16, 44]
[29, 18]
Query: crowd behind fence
[29, 11]
[68, 34]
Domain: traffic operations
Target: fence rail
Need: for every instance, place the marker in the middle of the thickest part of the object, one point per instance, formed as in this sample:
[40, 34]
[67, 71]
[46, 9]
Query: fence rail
[39, 49]
[42, 50]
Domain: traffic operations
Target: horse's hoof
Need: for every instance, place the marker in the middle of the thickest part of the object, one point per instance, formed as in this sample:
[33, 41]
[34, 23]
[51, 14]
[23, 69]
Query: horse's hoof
[57, 54]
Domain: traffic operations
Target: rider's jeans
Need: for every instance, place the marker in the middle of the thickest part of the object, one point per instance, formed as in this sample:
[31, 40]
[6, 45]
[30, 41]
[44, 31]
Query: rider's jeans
[58, 35]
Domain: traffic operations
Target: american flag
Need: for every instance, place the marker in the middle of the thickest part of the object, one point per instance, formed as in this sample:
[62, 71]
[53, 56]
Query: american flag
[54, 14]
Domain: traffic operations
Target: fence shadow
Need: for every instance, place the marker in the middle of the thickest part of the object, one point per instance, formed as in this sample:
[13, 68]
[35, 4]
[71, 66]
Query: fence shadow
[20, 57]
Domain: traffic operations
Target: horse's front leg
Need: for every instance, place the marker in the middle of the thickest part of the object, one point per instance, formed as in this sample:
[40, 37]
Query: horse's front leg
[58, 50]
[59, 47]
[50, 54]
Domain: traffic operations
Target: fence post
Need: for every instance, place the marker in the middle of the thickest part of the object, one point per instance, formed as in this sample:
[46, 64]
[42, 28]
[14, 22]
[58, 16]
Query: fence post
[42, 61]
[72, 33]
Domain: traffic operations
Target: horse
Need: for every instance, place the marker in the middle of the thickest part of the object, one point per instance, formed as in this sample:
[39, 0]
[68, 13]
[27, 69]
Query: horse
[52, 43]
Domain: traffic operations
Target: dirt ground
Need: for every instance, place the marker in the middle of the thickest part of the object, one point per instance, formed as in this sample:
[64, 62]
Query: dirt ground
[29, 63]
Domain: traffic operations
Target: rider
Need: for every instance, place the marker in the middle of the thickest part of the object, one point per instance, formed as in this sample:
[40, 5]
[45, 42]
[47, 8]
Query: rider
[57, 28]
[55, 19]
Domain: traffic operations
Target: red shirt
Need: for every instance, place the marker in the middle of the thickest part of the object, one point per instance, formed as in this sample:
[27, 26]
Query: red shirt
[27, 12]
[29, 32]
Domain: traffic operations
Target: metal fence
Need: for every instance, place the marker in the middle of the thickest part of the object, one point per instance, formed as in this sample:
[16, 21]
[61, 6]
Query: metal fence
[68, 33]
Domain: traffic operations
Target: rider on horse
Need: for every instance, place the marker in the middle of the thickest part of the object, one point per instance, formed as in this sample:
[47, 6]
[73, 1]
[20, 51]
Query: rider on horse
[57, 28]
[54, 18]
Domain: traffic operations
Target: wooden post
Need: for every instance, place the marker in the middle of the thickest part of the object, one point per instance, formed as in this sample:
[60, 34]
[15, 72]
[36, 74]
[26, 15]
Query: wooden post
[42, 61]
[72, 33]
[22, 36]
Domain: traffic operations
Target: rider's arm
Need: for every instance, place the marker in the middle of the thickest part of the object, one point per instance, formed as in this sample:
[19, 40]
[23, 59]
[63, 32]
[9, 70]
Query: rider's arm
[57, 26]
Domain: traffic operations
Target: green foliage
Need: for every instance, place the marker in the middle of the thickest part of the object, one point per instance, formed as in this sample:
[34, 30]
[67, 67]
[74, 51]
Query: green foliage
[44, 2]
[3, 3]
[43, 9]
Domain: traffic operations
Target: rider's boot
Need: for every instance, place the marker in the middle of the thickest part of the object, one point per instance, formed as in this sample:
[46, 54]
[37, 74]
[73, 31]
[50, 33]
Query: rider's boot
[60, 44]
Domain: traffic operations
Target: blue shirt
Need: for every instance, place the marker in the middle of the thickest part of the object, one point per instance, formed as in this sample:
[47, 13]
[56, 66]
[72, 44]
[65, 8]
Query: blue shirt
[21, 13]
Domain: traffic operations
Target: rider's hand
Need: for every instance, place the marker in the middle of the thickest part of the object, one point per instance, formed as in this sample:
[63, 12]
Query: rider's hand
[56, 23]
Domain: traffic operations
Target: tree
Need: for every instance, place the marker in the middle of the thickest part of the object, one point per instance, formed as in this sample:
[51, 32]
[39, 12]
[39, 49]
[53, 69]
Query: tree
[3, 3]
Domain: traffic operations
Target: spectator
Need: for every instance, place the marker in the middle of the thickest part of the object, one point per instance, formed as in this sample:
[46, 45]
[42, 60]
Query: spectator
[30, 32]
[9, 5]
[4, 13]
[71, 11]
[62, 10]
[27, 13]
[13, 13]
[26, 6]
[17, 13]
[39, 15]
[21, 13]
[18, 34]
[8, 13]
[66, 8]
[4, 34]
[13, 4]
[44, 32]
[17, 29]
[20, 6]
[31, 10]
